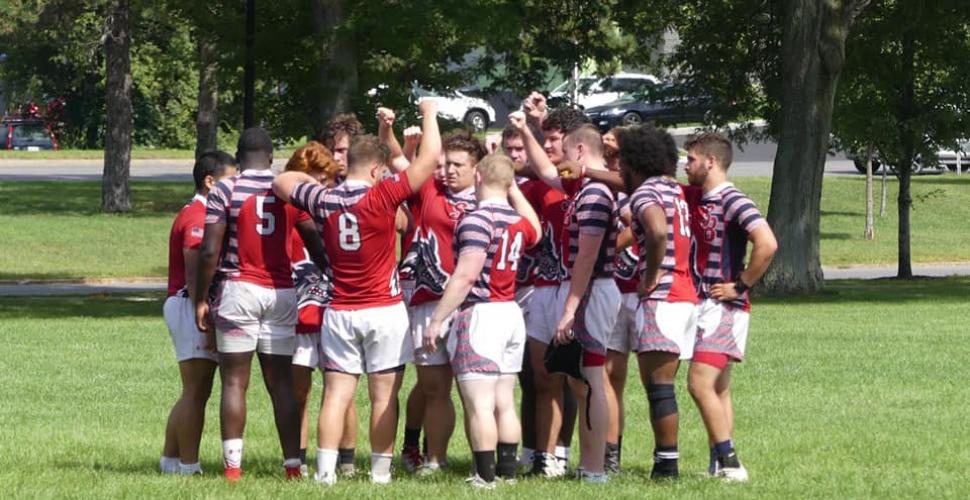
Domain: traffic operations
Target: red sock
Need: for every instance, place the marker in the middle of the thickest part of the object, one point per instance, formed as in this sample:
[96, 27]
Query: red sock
[293, 473]
[234, 474]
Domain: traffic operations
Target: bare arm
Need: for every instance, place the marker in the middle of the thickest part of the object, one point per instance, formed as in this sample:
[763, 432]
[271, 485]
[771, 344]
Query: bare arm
[582, 273]
[385, 131]
[610, 178]
[655, 226]
[624, 239]
[412, 137]
[467, 270]
[541, 165]
[764, 247]
[525, 209]
[423, 166]
[312, 242]
[404, 220]
[209, 253]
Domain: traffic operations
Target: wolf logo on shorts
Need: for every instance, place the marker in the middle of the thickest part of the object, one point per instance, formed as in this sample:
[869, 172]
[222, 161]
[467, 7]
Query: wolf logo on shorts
[427, 271]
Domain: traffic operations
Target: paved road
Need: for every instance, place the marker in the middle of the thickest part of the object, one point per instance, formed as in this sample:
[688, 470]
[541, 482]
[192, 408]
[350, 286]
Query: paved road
[754, 160]
[156, 286]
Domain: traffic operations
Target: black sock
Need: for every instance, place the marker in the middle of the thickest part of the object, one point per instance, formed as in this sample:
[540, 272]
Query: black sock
[485, 465]
[412, 437]
[619, 446]
[303, 456]
[346, 455]
[507, 462]
[665, 460]
[424, 445]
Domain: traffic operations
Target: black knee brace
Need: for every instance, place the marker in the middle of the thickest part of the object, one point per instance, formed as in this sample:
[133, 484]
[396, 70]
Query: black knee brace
[662, 399]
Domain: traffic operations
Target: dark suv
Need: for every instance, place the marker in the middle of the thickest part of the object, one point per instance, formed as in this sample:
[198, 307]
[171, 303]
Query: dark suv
[27, 134]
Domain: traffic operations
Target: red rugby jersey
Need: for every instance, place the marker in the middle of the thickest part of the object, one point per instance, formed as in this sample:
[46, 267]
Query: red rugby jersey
[186, 233]
[433, 249]
[676, 284]
[552, 206]
[498, 230]
[258, 229]
[357, 224]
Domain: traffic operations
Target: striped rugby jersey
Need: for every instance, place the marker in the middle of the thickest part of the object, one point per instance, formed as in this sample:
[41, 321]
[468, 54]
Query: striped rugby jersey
[258, 229]
[357, 225]
[675, 283]
[721, 221]
[592, 212]
[498, 230]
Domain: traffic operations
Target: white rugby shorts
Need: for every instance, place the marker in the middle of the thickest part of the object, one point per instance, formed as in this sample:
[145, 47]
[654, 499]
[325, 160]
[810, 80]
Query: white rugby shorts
[251, 318]
[366, 340]
[487, 340]
[722, 328]
[666, 327]
[189, 342]
[420, 319]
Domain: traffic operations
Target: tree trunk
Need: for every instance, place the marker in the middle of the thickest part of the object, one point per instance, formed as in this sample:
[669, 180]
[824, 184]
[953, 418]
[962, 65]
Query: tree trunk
[249, 69]
[870, 230]
[337, 77]
[884, 194]
[115, 192]
[907, 137]
[813, 51]
[207, 117]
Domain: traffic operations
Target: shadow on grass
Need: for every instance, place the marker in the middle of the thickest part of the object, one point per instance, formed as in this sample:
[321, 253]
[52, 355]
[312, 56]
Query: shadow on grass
[836, 236]
[88, 306]
[84, 198]
[883, 291]
[15, 276]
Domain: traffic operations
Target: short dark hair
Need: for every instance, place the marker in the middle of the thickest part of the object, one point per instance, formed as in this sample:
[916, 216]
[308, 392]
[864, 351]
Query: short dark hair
[648, 151]
[713, 144]
[564, 120]
[344, 123]
[509, 132]
[212, 163]
[464, 141]
[254, 140]
[589, 135]
[366, 148]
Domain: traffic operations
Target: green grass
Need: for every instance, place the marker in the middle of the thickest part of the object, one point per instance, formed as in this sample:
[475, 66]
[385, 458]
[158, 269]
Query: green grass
[856, 392]
[54, 229]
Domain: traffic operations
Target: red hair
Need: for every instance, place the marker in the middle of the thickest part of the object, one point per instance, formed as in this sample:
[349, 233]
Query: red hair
[314, 158]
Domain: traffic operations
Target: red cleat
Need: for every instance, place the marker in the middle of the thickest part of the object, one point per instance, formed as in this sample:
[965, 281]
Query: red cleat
[233, 474]
[293, 473]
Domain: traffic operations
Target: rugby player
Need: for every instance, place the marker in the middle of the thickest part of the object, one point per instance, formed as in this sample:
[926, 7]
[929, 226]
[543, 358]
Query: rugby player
[666, 314]
[724, 220]
[589, 297]
[439, 207]
[339, 134]
[487, 335]
[365, 329]
[197, 362]
[248, 233]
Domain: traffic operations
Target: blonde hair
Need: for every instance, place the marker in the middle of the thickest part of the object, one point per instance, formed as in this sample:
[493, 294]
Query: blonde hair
[313, 158]
[496, 171]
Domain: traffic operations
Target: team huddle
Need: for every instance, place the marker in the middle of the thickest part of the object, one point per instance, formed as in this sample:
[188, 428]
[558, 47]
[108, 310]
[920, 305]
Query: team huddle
[542, 261]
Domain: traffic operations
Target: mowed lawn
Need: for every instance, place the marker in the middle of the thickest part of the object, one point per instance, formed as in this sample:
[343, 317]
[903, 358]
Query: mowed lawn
[53, 230]
[859, 391]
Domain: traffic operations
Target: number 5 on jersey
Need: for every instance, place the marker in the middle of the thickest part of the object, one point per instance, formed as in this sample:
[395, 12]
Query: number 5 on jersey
[267, 221]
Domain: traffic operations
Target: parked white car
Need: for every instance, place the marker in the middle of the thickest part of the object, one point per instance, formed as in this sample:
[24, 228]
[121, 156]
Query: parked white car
[598, 91]
[475, 113]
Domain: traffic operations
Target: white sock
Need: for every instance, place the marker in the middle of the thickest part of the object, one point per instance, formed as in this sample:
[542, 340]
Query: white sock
[562, 453]
[290, 463]
[326, 461]
[168, 465]
[190, 469]
[380, 468]
[232, 450]
[527, 456]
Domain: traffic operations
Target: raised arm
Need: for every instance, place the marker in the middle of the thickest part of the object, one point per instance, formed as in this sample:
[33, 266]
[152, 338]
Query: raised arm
[427, 160]
[385, 131]
[541, 165]
[412, 137]
[524, 208]
[284, 183]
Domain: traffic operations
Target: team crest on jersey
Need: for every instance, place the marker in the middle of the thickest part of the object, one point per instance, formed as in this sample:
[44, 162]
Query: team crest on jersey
[527, 264]
[457, 209]
[312, 286]
[426, 264]
[548, 261]
[706, 222]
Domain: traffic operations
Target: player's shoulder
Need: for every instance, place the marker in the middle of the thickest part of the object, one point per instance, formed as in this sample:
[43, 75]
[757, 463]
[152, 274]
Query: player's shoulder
[597, 189]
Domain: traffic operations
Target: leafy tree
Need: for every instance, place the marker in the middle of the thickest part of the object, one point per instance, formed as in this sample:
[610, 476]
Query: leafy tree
[904, 91]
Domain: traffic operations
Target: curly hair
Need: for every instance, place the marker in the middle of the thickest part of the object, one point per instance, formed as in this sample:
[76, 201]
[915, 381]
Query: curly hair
[711, 144]
[565, 120]
[463, 141]
[648, 151]
[345, 123]
[313, 157]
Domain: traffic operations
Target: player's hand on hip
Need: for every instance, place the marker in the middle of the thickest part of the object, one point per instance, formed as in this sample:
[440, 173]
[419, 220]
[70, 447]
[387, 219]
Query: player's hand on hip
[724, 292]
[203, 321]
[564, 331]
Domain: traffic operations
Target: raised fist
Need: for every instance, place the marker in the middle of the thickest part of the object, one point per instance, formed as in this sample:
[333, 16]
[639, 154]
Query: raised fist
[517, 120]
[570, 170]
[428, 107]
[412, 136]
[385, 117]
[535, 105]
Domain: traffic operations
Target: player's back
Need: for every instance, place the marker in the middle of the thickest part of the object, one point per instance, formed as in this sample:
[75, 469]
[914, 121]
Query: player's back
[258, 229]
[357, 224]
[504, 235]
[186, 233]
[676, 283]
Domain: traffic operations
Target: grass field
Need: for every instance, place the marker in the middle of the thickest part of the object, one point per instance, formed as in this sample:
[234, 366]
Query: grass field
[54, 230]
[857, 392]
